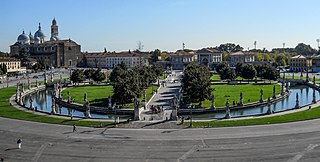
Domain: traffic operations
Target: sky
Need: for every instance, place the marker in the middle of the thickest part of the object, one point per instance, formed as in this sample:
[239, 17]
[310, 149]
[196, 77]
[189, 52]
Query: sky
[118, 25]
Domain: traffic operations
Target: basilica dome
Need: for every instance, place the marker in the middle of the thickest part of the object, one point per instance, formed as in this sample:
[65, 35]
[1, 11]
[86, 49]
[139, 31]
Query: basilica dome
[39, 33]
[23, 38]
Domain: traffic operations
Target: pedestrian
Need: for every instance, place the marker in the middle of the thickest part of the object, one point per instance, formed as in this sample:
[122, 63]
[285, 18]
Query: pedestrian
[71, 116]
[309, 107]
[74, 128]
[19, 143]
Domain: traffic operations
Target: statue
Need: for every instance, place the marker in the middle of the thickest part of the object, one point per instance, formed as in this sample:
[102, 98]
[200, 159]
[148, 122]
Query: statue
[297, 101]
[53, 95]
[69, 97]
[87, 108]
[314, 100]
[109, 103]
[261, 95]
[30, 101]
[45, 78]
[212, 103]
[85, 97]
[274, 92]
[314, 80]
[270, 111]
[241, 99]
[227, 110]
[136, 109]
[37, 83]
[29, 86]
[51, 77]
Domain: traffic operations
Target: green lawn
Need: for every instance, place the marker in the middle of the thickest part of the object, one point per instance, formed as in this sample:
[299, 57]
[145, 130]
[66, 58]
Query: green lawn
[98, 95]
[251, 93]
[217, 77]
[10, 112]
[298, 116]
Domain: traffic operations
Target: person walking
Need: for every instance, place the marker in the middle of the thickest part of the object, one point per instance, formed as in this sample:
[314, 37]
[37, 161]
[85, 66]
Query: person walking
[19, 143]
[74, 128]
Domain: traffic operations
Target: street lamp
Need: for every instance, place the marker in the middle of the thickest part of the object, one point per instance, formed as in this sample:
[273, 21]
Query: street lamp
[7, 80]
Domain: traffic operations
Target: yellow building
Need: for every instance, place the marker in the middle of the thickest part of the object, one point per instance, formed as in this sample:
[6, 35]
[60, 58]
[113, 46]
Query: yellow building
[300, 63]
[13, 65]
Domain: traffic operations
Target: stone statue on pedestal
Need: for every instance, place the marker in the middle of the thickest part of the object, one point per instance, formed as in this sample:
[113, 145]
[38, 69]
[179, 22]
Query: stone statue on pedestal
[314, 100]
[45, 78]
[314, 80]
[37, 83]
[53, 94]
[274, 92]
[51, 77]
[30, 101]
[136, 109]
[85, 97]
[227, 110]
[87, 107]
[270, 111]
[109, 103]
[69, 97]
[297, 101]
[212, 103]
[261, 96]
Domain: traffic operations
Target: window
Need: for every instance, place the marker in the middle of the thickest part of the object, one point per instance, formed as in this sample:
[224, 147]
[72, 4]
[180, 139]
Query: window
[69, 48]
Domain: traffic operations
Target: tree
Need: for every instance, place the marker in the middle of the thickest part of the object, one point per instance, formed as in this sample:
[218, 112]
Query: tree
[221, 66]
[77, 76]
[118, 72]
[239, 67]
[304, 49]
[230, 47]
[196, 83]
[89, 73]
[127, 87]
[228, 73]
[248, 71]
[98, 75]
[281, 60]
[155, 54]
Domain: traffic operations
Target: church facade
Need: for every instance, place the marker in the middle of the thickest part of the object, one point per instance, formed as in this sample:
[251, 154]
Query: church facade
[55, 52]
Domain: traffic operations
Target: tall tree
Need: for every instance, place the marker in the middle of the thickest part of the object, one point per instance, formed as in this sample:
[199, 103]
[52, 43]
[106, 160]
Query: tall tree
[230, 47]
[118, 72]
[196, 83]
[221, 65]
[155, 55]
[228, 73]
[248, 71]
[304, 49]
[89, 73]
[77, 76]
[98, 75]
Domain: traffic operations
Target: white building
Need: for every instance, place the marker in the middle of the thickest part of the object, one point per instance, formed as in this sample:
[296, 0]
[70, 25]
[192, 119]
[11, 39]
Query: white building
[208, 56]
[241, 57]
[181, 59]
[112, 59]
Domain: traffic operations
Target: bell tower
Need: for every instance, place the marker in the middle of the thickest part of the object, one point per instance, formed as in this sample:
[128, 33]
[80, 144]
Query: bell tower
[54, 28]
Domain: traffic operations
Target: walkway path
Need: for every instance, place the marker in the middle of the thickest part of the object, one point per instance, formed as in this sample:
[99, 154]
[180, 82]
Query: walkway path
[163, 98]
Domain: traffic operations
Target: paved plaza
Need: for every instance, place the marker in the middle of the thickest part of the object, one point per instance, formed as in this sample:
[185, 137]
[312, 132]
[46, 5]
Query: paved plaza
[48, 142]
